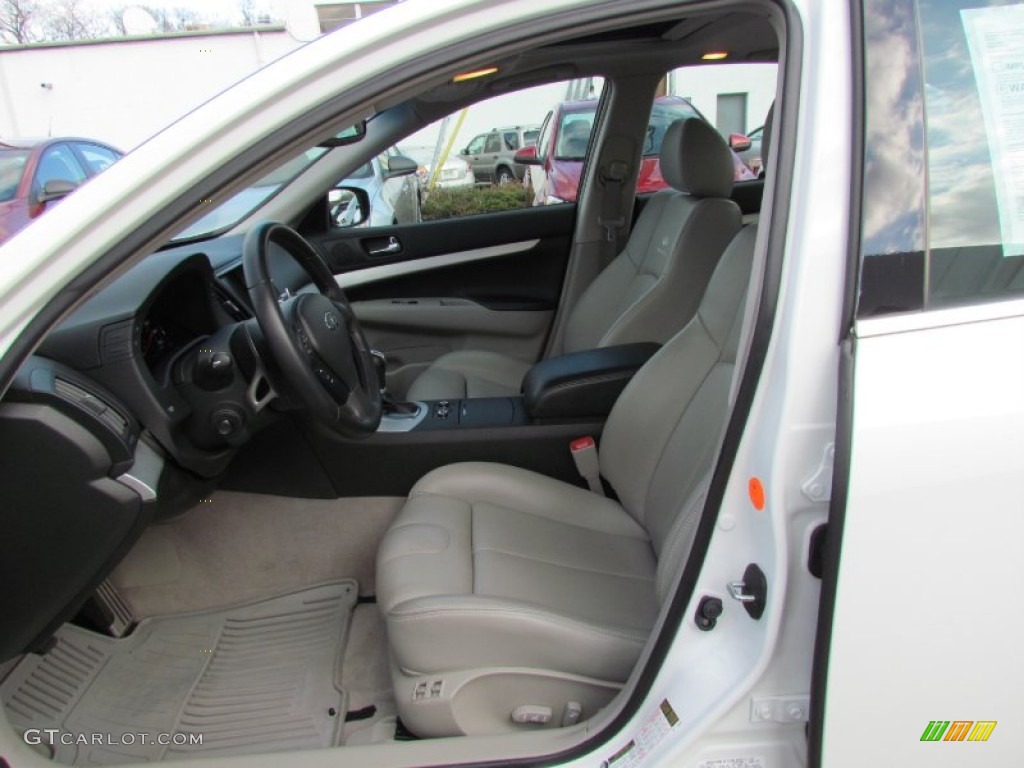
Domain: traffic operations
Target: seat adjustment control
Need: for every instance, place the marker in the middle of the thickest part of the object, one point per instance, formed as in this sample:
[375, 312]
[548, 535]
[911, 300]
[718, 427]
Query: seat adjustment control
[573, 712]
[531, 714]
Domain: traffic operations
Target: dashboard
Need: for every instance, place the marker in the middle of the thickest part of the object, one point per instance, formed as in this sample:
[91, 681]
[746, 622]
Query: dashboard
[143, 338]
[128, 413]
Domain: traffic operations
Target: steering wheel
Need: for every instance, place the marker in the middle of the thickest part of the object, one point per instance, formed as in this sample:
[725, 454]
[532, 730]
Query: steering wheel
[314, 338]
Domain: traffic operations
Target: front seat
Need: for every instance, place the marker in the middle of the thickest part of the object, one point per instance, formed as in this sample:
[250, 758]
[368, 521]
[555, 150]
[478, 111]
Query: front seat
[513, 600]
[649, 291]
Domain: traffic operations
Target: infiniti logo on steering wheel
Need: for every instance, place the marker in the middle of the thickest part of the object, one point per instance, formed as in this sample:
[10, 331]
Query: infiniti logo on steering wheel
[330, 321]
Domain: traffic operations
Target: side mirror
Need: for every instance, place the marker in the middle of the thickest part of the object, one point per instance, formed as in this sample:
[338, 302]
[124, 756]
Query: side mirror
[348, 207]
[400, 165]
[55, 189]
[526, 156]
[738, 142]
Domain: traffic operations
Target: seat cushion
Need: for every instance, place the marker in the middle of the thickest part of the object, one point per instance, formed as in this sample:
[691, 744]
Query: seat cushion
[469, 373]
[493, 566]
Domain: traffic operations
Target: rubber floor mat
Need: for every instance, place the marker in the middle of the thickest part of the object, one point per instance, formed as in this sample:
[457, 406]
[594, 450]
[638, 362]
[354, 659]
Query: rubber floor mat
[259, 677]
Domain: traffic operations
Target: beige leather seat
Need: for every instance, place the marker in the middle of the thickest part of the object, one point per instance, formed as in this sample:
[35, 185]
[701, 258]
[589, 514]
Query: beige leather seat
[649, 291]
[513, 600]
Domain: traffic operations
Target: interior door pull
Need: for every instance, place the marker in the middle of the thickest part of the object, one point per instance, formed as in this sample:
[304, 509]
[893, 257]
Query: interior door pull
[392, 246]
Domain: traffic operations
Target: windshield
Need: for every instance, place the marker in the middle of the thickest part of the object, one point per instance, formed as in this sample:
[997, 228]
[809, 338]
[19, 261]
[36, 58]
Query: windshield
[574, 134]
[236, 208]
[12, 163]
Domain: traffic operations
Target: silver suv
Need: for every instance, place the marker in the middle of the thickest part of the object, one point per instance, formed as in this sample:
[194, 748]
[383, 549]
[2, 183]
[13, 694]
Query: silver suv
[491, 153]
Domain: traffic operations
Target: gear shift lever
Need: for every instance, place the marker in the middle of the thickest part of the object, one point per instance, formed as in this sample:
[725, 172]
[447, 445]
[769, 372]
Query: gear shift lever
[391, 406]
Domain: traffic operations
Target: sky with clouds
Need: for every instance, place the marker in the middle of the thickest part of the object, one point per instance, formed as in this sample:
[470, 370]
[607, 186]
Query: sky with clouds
[956, 171]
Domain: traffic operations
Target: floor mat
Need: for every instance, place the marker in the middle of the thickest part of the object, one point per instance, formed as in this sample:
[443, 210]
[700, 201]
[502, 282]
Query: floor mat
[366, 678]
[260, 677]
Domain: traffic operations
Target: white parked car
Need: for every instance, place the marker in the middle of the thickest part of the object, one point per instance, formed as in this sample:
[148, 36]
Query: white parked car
[455, 172]
[724, 475]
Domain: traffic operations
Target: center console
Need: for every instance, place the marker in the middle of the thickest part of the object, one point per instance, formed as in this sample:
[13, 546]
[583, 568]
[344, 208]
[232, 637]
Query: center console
[563, 398]
[458, 414]
[581, 385]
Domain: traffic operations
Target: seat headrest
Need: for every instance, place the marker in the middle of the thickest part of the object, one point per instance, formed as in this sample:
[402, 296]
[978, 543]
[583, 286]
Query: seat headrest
[696, 159]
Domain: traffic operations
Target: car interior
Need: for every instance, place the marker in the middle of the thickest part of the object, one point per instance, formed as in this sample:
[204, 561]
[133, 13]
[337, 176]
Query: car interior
[298, 486]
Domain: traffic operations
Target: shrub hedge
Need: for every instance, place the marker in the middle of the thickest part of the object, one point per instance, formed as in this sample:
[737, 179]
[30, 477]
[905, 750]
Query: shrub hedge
[467, 201]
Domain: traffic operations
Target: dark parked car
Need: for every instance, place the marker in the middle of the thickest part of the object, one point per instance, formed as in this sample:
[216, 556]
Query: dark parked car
[35, 173]
[491, 154]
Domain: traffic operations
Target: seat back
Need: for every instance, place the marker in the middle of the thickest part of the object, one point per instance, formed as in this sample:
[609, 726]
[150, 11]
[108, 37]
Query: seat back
[651, 289]
[661, 437]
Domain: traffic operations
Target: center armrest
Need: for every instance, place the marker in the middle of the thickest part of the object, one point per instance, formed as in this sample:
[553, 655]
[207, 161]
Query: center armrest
[583, 383]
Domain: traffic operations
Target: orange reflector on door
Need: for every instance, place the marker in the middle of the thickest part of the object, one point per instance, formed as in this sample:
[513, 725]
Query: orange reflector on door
[756, 493]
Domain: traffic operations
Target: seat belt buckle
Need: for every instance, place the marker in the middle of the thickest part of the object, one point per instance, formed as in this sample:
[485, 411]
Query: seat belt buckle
[584, 455]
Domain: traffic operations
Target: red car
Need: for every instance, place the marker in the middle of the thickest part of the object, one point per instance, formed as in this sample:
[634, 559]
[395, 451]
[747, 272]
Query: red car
[565, 135]
[36, 173]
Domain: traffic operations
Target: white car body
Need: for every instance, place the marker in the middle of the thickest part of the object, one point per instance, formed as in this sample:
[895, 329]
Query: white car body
[455, 172]
[934, 515]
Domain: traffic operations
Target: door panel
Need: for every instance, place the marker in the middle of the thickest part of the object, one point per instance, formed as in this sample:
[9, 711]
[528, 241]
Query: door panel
[349, 249]
[930, 543]
[488, 282]
[414, 332]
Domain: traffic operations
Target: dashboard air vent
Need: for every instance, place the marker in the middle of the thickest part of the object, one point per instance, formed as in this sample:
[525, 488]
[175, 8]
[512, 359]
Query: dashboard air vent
[91, 403]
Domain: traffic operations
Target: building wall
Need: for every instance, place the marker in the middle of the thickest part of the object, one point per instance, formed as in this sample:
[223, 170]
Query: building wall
[703, 85]
[124, 91]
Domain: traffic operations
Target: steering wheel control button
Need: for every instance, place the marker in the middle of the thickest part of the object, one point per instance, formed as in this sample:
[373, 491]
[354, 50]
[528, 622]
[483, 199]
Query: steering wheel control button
[313, 337]
[304, 341]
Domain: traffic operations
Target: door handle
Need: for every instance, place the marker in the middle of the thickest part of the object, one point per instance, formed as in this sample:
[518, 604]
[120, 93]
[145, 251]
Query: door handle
[391, 246]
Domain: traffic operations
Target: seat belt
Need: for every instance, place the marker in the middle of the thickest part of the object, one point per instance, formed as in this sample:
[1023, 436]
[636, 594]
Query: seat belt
[613, 175]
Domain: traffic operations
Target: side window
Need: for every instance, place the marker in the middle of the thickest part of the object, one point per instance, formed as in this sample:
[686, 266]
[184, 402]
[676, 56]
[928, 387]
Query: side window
[943, 192]
[57, 164]
[493, 143]
[973, 89]
[97, 158]
[574, 126]
[454, 183]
